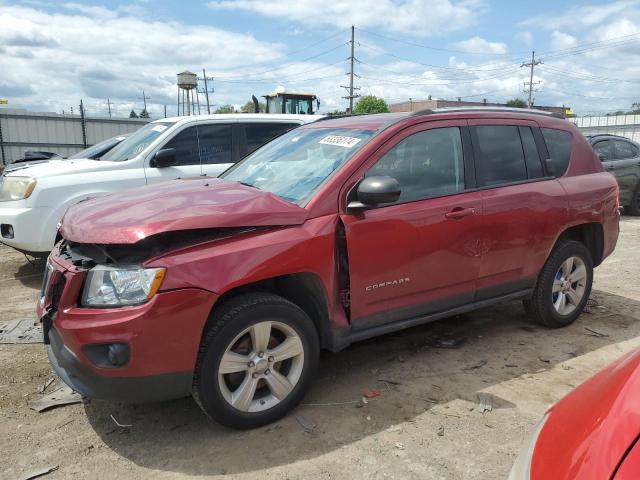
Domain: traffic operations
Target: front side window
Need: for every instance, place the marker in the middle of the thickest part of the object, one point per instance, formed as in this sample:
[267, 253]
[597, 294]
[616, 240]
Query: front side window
[257, 134]
[559, 146]
[186, 145]
[624, 150]
[296, 164]
[215, 143]
[603, 149]
[137, 142]
[501, 155]
[426, 164]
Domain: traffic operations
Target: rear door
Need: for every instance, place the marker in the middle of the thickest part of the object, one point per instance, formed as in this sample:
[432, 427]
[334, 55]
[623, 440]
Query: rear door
[185, 142]
[420, 254]
[217, 147]
[521, 205]
[626, 168]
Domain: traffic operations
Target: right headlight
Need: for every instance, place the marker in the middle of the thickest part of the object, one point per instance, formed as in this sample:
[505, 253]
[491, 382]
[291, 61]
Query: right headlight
[120, 286]
[521, 469]
[16, 188]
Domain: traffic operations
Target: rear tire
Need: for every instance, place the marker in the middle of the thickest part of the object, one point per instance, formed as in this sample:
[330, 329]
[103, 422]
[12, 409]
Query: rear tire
[257, 359]
[563, 287]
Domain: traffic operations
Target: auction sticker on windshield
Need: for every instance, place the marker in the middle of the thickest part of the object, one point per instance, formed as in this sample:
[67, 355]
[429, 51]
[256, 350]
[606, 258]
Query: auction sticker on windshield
[340, 141]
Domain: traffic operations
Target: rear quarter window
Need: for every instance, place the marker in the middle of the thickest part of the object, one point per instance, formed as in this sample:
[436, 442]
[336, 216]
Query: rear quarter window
[559, 147]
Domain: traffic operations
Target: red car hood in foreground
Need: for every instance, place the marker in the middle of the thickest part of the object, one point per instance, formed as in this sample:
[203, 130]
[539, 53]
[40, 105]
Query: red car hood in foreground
[128, 217]
[590, 430]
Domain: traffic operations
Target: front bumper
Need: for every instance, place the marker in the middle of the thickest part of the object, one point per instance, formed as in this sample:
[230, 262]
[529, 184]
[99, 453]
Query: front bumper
[30, 228]
[162, 336]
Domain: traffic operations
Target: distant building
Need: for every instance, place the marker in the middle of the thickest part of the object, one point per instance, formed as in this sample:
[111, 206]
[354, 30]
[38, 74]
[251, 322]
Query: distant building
[415, 105]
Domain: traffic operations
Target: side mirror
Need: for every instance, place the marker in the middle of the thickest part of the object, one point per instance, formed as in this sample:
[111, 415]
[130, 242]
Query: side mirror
[164, 158]
[373, 191]
[551, 170]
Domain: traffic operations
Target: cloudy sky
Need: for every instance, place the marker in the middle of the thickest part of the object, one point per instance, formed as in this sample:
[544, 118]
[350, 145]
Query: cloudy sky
[53, 53]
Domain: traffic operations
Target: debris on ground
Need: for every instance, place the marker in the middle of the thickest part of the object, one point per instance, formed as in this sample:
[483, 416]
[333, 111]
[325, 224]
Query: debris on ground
[388, 381]
[20, 331]
[441, 431]
[594, 333]
[372, 393]
[399, 446]
[476, 366]
[591, 303]
[401, 359]
[40, 472]
[63, 395]
[46, 385]
[121, 425]
[543, 359]
[307, 425]
[448, 342]
[485, 403]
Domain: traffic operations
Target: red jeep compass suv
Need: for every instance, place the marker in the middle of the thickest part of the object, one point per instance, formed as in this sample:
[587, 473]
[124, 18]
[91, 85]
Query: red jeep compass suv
[335, 232]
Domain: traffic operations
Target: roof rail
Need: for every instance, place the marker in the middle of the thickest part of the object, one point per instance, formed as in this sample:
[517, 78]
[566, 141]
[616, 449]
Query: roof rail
[533, 111]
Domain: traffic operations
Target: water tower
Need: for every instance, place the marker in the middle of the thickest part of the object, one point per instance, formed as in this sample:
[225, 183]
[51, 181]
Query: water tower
[188, 99]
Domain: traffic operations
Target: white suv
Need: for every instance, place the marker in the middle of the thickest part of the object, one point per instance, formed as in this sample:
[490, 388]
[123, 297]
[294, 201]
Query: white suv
[33, 199]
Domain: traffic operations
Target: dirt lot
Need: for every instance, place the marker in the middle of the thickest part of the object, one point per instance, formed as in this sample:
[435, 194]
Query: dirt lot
[425, 426]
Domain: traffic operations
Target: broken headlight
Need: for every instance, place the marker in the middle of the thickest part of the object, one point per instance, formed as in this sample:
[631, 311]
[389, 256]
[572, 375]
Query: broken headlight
[120, 286]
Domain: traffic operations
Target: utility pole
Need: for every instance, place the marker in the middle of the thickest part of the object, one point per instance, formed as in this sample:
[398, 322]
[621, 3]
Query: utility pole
[109, 106]
[83, 124]
[206, 91]
[165, 111]
[351, 74]
[530, 83]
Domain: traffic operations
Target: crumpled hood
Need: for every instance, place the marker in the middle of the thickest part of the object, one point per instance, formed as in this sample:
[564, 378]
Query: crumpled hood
[589, 431]
[132, 215]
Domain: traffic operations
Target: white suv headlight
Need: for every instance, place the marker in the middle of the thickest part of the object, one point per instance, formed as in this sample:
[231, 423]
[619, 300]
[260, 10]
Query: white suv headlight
[120, 286]
[16, 188]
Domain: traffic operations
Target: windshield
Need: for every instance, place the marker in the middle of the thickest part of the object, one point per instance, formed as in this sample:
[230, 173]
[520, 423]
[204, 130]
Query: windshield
[96, 150]
[137, 142]
[296, 164]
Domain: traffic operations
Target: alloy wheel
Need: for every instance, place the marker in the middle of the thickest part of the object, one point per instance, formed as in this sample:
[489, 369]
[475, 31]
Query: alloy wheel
[569, 285]
[261, 366]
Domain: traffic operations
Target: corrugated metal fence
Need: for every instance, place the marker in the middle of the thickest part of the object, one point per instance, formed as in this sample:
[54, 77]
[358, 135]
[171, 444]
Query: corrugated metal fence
[21, 130]
[623, 125]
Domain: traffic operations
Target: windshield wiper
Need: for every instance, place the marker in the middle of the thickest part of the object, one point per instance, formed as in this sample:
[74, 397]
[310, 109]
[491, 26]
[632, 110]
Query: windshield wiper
[247, 184]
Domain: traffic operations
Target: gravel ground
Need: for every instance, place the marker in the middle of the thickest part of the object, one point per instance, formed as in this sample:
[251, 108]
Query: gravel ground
[424, 425]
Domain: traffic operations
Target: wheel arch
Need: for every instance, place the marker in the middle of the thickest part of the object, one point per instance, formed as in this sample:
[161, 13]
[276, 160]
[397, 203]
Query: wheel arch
[591, 235]
[305, 289]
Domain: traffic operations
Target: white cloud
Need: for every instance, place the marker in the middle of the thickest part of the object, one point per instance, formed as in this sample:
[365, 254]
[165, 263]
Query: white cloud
[580, 17]
[561, 41]
[480, 45]
[93, 53]
[421, 18]
[525, 37]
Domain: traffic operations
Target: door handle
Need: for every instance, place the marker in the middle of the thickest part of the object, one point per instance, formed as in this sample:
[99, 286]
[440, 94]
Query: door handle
[459, 212]
[609, 167]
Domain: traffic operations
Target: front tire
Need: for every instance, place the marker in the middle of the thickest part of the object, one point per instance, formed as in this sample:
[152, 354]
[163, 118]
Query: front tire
[256, 361]
[563, 287]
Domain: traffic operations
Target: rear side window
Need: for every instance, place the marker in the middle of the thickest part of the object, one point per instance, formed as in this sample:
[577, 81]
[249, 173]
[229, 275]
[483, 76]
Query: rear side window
[501, 154]
[426, 164]
[257, 134]
[559, 146]
[624, 149]
[215, 143]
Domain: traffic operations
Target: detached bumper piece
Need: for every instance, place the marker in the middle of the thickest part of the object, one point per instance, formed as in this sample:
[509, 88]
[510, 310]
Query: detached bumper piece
[125, 389]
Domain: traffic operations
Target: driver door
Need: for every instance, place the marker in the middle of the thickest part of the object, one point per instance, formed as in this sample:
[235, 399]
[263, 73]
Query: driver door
[421, 254]
[185, 143]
